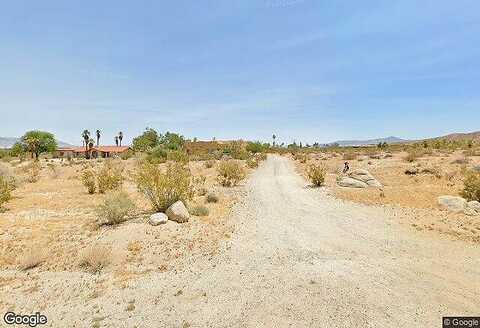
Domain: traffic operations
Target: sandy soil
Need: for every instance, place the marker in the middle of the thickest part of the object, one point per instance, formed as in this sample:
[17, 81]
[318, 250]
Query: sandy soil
[297, 258]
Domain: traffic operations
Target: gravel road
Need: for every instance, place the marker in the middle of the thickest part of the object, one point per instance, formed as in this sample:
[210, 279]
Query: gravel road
[300, 258]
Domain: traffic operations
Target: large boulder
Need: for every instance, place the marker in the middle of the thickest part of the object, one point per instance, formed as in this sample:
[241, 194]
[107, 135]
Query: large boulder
[157, 219]
[452, 203]
[351, 183]
[365, 176]
[178, 212]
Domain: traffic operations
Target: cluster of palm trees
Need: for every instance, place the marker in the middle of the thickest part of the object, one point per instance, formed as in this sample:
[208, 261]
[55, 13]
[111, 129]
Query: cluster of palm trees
[88, 142]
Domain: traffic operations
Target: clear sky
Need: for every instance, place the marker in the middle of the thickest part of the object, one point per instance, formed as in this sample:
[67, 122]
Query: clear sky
[302, 69]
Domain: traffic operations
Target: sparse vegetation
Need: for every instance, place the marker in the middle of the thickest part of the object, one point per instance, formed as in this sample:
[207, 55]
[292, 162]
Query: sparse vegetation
[95, 258]
[88, 179]
[413, 155]
[163, 188]
[211, 198]
[199, 210]
[33, 171]
[471, 189]
[6, 187]
[109, 176]
[230, 173]
[115, 209]
[252, 162]
[31, 259]
[209, 164]
[316, 174]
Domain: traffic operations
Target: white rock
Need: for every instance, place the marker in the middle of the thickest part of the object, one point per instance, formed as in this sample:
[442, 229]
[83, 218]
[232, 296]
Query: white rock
[178, 212]
[351, 183]
[158, 218]
[452, 203]
[365, 176]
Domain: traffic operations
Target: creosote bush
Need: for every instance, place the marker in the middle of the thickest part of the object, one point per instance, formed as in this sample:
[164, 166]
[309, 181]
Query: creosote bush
[316, 174]
[109, 177]
[413, 155]
[163, 188]
[471, 186]
[88, 180]
[33, 171]
[230, 173]
[252, 162]
[115, 209]
[6, 187]
[199, 210]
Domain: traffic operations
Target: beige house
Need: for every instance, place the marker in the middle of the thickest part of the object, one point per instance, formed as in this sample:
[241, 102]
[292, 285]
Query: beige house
[96, 152]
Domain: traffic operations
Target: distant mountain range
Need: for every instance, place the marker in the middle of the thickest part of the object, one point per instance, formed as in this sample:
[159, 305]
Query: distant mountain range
[9, 142]
[388, 140]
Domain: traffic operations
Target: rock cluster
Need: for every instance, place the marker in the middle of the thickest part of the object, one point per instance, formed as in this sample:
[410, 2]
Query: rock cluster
[359, 179]
[176, 212]
[459, 204]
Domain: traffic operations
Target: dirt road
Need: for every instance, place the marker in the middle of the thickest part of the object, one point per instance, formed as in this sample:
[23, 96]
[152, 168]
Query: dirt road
[299, 258]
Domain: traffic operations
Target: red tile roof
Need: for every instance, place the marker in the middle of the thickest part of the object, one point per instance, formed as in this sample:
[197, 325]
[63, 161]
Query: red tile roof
[105, 149]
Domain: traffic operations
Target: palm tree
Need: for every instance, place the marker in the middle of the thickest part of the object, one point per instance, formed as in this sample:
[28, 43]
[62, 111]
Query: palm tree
[120, 137]
[116, 140]
[86, 138]
[91, 143]
[98, 132]
[274, 137]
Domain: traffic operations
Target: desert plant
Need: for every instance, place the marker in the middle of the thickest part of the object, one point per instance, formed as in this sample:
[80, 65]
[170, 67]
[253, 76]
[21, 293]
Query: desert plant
[6, 187]
[349, 156]
[88, 179]
[33, 171]
[31, 259]
[316, 174]
[54, 173]
[109, 177]
[178, 156]
[252, 162]
[211, 198]
[199, 210]
[199, 184]
[413, 155]
[230, 173]
[471, 186]
[95, 258]
[115, 209]
[163, 188]
[302, 158]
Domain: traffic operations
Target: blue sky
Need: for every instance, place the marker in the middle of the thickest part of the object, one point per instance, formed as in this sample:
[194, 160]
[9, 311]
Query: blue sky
[304, 70]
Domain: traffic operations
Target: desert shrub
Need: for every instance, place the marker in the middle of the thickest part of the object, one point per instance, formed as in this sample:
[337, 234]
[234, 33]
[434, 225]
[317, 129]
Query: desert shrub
[230, 173]
[413, 155]
[127, 154]
[199, 185]
[209, 164]
[316, 174]
[236, 149]
[31, 259]
[163, 188]
[433, 170]
[157, 155]
[115, 209]
[471, 186]
[349, 156]
[256, 147]
[95, 258]
[109, 177]
[33, 170]
[252, 162]
[178, 156]
[53, 171]
[88, 179]
[212, 198]
[302, 158]
[6, 187]
[199, 210]
[261, 157]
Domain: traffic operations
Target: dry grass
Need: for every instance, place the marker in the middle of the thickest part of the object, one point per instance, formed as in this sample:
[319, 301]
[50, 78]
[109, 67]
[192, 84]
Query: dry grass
[31, 259]
[230, 173]
[95, 258]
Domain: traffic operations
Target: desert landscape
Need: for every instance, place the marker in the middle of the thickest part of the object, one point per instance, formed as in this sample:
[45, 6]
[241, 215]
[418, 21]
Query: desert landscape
[84, 239]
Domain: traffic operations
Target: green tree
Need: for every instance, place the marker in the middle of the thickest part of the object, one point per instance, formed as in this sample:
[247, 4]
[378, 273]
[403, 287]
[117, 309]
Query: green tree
[172, 141]
[256, 147]
[147, 141]
[38, 142]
